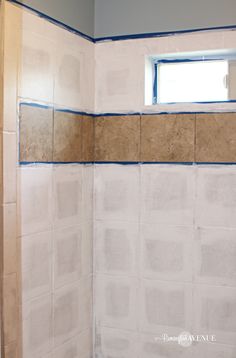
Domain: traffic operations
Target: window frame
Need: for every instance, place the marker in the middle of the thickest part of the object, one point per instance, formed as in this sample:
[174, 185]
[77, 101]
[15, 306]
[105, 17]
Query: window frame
[157, 61]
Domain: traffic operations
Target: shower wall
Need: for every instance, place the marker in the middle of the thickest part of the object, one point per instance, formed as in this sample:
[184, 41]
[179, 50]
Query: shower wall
[53, 88]
[164, 219]
[122, 226]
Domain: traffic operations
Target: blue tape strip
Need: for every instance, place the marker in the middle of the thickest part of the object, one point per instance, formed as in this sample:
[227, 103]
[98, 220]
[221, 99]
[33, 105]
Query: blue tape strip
[37, 105]
[32, 163]
[54, 21]
[130, 163]
[112, 114]
[161, 34]
[119, 37]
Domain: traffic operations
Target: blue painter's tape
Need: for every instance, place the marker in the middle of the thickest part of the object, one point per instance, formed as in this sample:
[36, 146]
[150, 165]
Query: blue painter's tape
[120, 37]
[121, 163]
[117, 114]
[161, 34]
[74, 112]
[54, 21]
[55, 163]
[215, 163]
[37, 105]
[130, 163]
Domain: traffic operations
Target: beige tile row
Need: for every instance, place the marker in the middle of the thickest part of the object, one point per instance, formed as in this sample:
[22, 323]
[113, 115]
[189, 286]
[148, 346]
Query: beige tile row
[56, 136]
[167, 138]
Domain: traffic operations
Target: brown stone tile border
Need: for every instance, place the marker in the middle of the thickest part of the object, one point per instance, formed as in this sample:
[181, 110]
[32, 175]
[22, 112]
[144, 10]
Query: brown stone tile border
[60, 136]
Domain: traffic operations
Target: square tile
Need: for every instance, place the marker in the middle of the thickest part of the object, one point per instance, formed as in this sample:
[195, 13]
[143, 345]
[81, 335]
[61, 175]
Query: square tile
[67, 256]
[37, 327]
[117, 139]
[167, 138]
[10, 263]
[167, 194]
[9, 167]
[36, 134]
[85, 302]
[87, 248]
[67, 195]
[113, 342]
[88, 140]
[165, 306]
[215, 254]
[116, 302]
[37, 64]
[67, 143]
[10, 314]
[80, 346]
[88, 192]
[153, 346]
[208, 350]
[65, 314]
[35, 198]
[36, 252]
[215, 137]
[215, 312]
[216, 196]
[116, 247]
[167, 252]
[117, 192]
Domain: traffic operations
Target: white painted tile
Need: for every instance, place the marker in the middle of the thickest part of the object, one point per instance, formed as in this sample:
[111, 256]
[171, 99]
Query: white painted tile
[74, 77]
[88, 191]
[9, 167]
[116, 302]
[117, 192]
[216, 196]
[78, 347]
[37, 65]
[167, 252]
[87, 248]
[152, 347]
[85, 304]
[65, 314]
[215, 256]
[117, 245]
[35, 199]
[36, 265]
[67, 181]
[209, 350]
[165, 306]
[167, 194]
[85, 343]
[37, 327]
[67, 256]
[118, 80]
[215, 312]
[116, 343]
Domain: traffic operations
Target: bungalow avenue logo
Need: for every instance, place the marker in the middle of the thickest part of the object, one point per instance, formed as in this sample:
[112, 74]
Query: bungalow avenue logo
[186, 339]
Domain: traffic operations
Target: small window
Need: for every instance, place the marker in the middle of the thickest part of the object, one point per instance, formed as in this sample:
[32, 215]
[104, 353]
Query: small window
[191, 81]
[196, 78]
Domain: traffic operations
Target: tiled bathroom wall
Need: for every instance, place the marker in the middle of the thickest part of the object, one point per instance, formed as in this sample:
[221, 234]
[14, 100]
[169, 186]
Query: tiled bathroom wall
[112, 220]
[48, 212]
[164, 259]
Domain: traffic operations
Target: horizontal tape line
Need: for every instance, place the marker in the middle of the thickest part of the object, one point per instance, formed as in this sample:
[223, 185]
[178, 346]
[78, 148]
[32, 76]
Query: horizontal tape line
[119, 37]
[132, 163]
[117, 114]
